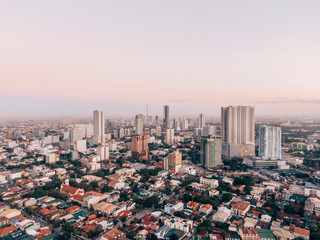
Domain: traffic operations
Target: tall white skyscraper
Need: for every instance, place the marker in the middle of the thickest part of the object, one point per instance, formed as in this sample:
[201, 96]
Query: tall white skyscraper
[166, 117]
[237, 127]
[98, 127]
[202, 121]
[270, 142]
[138, 124]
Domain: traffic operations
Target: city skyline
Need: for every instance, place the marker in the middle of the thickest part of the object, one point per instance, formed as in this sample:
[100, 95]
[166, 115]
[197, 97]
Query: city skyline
[119, 57]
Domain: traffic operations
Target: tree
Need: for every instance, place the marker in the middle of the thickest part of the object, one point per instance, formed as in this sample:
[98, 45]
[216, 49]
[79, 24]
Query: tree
[68, 227]
[187, 197]
[168, 190]
[247, 189]
[226, 197]
[205, 226]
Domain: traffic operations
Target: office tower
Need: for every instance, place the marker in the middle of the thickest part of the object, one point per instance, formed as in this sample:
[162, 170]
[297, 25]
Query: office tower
[166, 117]
[138, 124]
[98, 127]
[210, 151]
[140, 149]
[169, 136]
[173, 162]
[209, 130]
[103, 152]
[158, 131]
[237, 128]
[122, 120]
[270, 142]
[202, 121]
[76, 134]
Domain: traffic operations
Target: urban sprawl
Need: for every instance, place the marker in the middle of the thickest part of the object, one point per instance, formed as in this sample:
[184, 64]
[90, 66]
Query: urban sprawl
[154, 177]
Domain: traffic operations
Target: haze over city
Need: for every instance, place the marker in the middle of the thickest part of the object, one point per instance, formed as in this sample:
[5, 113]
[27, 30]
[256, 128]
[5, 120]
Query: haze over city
[67, 58]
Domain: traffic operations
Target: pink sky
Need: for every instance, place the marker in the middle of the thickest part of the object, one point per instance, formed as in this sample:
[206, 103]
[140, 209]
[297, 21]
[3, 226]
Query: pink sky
[193, 56]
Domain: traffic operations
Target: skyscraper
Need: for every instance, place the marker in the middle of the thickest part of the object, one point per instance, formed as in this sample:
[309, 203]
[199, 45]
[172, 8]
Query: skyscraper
[98, 127]
[202, 121]
[166, 119]
[138, 124]
[210, 152]
[237, 127]
[270, 142]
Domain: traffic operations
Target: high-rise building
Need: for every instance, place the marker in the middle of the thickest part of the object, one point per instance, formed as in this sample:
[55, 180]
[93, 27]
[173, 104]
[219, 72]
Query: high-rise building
[166, 117]
[173, 162]
[140, 149]
[138, 124]
[270, 142]
[169, 136]
[98, 127]
[210, 151]
[237, 128]
[202, 121]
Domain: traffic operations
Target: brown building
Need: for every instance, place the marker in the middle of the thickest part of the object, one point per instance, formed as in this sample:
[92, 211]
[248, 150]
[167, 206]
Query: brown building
[140, 149]
[173, 162]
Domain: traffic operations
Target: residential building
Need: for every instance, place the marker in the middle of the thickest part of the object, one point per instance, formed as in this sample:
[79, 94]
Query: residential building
[270, 142]
[237, 128]
[210, 152]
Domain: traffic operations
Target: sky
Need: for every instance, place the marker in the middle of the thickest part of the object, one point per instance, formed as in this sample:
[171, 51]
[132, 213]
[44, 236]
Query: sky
[71, 57]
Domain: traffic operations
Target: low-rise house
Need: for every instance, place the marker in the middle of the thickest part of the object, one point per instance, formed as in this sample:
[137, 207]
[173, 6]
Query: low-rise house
[214, 183]
[206, 209]
[179, 223]
[222, 215]
[172, 208]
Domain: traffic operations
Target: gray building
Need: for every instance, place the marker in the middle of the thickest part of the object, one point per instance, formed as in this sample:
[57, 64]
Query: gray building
[166, 117]
[270, 142]
[210, 151]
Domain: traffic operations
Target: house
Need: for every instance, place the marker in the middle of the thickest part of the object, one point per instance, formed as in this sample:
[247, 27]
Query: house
[222, 215]
[193, 205]
[300, 232]
[214, 183]
[179, 223]
[172, 208]
[6, 231]
[249, 234]
[206, 209]
[113, 234]
[4, 221]
[240, 209]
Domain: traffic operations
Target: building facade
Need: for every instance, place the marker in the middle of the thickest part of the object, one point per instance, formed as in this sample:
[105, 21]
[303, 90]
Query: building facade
[210, 151]
[237, 129]
[270, 142]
